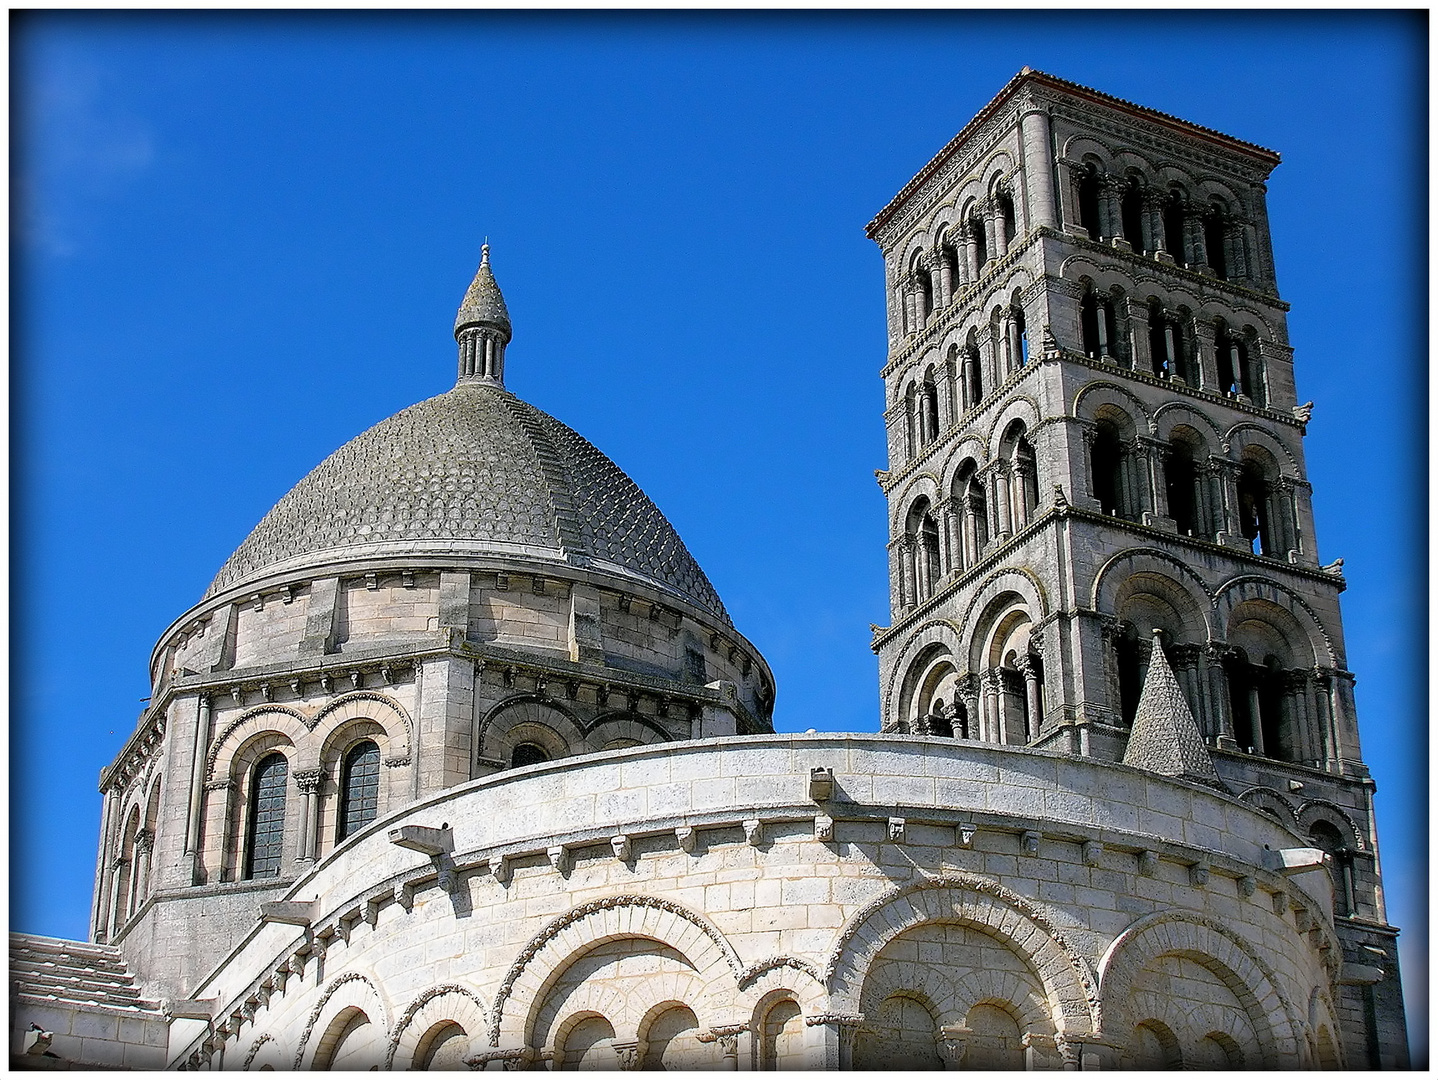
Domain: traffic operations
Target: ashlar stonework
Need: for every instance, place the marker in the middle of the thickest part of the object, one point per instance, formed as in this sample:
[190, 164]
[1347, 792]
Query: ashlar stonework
[460, 763]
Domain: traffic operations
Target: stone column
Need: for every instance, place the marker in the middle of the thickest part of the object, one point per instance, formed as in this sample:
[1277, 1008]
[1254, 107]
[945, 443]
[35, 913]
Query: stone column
[1000, 473]
[992, 228]
[308, 783]
[1237, 258]
[1151, 454]
[1038, 168]
[838, 1038]
[1205, 348]
[945, 283]
[1022, 470]
[1170, 348]
[1140, 356]
[1185, 668]
[911, 318]
[1215, 653]
[1295, 689]
[1070, 175]
[1154, 240]
[118, 883]
[1196, 253]
[100, 905]
[954, 535]
[969, 253]
[197, 785]
[1323, 712]
[1001, 231]
[908, 584]
[626, 1055]
[1029, 669]
[727, 1037]
[968, 690]
[1110, 213]
[140, 880]
[1227, 475]
[1255, 719]
[953, 1045]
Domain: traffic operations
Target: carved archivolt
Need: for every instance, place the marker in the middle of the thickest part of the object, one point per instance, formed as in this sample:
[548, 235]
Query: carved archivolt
[448, 1001]
[1207, 942]
[297, 725]
[648, 917]
[1066, 977]
[350, 988]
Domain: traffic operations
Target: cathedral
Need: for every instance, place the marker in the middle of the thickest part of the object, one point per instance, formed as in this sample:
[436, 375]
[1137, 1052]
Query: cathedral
[460, 761]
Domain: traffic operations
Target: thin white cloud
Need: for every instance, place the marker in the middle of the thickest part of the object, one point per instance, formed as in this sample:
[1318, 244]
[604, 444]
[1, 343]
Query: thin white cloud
[79, 148]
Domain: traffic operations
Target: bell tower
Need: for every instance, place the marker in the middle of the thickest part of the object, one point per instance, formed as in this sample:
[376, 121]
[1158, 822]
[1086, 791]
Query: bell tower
[1095, 451]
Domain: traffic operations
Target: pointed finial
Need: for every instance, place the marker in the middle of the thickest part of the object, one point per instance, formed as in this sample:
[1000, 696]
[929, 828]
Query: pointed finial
[482, 327]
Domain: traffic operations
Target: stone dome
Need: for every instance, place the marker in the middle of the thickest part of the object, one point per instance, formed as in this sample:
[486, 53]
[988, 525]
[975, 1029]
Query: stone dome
[474, 471]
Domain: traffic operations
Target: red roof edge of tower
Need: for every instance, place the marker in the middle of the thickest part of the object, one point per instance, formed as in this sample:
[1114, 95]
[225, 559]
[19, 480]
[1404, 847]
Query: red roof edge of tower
[1260, 154]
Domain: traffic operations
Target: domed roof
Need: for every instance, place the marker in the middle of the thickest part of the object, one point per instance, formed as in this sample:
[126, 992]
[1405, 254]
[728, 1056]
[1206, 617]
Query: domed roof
[473, 471]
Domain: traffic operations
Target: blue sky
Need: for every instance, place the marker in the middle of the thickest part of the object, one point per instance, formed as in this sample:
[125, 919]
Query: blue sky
[240, 240]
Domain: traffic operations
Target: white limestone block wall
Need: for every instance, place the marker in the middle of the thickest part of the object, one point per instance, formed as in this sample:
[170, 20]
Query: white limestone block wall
[941, 901]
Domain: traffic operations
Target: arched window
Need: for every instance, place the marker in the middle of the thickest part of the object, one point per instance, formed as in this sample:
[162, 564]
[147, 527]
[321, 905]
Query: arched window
[1128, 661]
[1131, 211]
[1173, 210]
[528, 753]
[973, 515]
[1088, 198]
[1327, 838]
[1215, 226]
[1168, 343]
[973, 380]
[1006, 221]
[1254, 520]
[981, 242]
[359, 788]
[1107, 462]
[1181, 484]
[1096, 317]
[928, 410]
[265, 842]
[442, 1048]
[781, 1039]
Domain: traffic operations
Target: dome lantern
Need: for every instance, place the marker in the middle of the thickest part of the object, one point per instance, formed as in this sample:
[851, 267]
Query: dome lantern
[482, 328]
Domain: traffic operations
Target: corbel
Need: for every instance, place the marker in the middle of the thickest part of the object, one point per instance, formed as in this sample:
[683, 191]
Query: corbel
[754, 832]
[964, 834]
[898, 830]
[1092, 851]
[1029, 841]
[685, 836]
[1198, 873]
[821, 784]
[1148, 863]
[823, 828]
[292, 912]
[623, 850]
[371, 581]
[559, 859]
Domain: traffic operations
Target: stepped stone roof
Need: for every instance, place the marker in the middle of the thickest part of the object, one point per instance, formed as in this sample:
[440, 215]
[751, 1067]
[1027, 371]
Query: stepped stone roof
[73, 973]
[1165, 737]
[473, 471]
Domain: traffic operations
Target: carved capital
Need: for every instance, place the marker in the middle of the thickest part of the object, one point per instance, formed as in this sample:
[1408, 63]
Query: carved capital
[308, 780]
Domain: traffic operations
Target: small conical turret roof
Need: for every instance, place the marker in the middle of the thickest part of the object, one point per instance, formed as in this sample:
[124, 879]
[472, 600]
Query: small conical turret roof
[483, 304]
[1165, 738]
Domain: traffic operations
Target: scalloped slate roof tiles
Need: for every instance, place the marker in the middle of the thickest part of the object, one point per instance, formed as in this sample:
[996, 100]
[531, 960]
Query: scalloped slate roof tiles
[473, 465]
[1165, 738]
